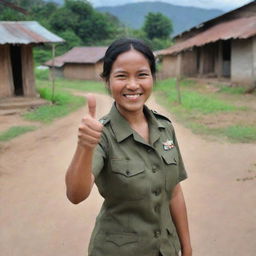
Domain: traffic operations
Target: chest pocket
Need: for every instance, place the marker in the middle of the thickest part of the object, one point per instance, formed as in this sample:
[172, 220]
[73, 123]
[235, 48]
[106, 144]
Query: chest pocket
[171, 161]
[127, 179]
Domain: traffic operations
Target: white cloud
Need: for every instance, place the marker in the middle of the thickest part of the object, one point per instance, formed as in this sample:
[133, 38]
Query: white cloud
[207, 4]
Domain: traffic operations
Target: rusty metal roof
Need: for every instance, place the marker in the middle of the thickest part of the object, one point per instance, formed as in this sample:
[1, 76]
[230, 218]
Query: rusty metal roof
[80, 55]
[241, 28]
[26, 32]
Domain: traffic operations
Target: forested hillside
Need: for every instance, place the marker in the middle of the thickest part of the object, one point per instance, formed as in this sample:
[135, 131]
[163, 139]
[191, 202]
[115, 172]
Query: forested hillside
[182, 18]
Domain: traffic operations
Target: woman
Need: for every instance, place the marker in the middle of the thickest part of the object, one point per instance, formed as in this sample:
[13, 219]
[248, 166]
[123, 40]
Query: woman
[133, 157]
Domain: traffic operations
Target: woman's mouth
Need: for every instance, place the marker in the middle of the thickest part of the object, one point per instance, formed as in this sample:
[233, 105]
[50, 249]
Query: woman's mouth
[132, 96]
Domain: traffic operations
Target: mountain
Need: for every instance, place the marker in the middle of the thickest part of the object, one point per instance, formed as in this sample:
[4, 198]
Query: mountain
[182, 18]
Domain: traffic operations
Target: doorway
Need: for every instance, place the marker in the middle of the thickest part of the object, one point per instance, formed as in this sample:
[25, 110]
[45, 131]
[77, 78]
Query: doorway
[226, 56]
[16, 69]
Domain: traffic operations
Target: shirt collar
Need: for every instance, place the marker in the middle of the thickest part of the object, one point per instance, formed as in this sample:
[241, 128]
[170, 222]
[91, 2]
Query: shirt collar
[122, 128]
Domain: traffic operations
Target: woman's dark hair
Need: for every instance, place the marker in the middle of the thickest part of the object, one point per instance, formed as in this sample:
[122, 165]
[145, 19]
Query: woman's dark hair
[123, 45]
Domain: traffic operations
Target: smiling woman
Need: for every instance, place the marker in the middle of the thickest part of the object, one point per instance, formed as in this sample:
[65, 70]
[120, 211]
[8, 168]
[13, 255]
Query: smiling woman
[125, 154]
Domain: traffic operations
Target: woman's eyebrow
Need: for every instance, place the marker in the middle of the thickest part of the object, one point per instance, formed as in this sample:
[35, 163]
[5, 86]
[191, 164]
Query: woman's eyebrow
[144, 70]
[119, 71]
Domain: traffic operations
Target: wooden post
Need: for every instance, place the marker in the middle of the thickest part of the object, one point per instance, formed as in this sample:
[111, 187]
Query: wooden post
[53, 72]
[178, 75]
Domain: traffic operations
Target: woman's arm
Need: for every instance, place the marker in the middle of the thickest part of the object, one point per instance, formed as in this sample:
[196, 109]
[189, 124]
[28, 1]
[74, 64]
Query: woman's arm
[79, 177]
[179, 215]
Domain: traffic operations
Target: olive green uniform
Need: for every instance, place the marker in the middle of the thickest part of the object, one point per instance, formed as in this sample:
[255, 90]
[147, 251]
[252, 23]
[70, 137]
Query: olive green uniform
[136, 179]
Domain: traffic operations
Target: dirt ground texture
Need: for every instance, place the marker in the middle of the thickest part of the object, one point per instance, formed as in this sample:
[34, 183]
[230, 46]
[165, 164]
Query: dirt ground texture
[37, 219]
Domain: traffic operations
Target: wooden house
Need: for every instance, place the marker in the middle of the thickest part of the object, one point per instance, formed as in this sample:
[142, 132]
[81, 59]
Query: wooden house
[16, 56]
[82, 63]
[223, 48]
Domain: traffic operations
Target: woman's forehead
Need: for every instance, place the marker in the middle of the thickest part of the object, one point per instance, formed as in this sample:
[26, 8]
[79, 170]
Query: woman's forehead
[131, 59]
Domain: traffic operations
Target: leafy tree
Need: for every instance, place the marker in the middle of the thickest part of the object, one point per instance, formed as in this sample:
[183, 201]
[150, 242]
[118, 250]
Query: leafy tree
[157, 25]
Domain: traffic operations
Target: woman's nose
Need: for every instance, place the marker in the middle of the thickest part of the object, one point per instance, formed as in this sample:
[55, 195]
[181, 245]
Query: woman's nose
[132, 84]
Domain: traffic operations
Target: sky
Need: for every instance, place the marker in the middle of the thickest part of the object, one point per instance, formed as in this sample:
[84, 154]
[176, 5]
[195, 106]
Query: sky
[224, 5]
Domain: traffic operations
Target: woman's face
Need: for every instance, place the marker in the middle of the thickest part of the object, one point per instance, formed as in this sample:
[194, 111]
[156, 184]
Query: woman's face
[130, 81]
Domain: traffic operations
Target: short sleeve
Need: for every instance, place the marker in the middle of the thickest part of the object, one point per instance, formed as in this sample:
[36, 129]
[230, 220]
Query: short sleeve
[182, 171]
[99, 157]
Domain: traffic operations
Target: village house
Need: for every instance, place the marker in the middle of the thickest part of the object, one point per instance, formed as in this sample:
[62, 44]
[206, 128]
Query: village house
[82, 63]
[223, 48]
[16, 56]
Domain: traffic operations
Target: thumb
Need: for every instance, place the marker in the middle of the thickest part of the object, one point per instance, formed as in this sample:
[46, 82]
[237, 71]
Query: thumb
[91, 102]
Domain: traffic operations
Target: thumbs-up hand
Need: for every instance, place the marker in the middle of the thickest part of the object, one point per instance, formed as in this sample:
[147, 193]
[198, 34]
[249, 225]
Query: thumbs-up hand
[90, 128]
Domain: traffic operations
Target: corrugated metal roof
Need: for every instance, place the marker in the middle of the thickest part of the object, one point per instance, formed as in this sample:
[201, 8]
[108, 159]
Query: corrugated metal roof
[235, 29]
[215, 19]
[88, 55]
[26, 32]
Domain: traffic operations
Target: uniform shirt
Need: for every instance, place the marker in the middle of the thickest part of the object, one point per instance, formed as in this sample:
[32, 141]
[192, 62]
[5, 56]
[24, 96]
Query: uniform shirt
[136, 180]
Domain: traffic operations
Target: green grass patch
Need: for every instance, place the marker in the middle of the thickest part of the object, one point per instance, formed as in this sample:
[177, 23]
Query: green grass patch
[15, 131]
[192, 100]
[239, 133]
[64, 103]
[42, 74]
[231, 90]
[197, 105]
[85, 86]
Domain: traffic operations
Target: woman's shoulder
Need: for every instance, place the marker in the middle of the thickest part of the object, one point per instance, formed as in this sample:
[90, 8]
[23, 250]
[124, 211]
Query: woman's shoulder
[160, 117]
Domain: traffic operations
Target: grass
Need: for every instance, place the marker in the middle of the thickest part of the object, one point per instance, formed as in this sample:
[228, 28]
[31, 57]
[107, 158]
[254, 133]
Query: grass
[231, 90]
[15, 131]
[192, 101]
[196, 105]
[239, 133]
[64, 103]
[61, 83]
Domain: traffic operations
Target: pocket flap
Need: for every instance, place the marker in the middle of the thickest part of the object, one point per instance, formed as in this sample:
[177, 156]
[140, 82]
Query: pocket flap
[169, 157]
[121, 239]
[127, 167]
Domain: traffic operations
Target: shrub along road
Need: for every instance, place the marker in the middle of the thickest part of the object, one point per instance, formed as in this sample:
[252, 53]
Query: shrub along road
[37, 219]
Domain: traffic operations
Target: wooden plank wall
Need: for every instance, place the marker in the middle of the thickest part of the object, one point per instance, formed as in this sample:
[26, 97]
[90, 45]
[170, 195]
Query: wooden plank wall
[6, 79]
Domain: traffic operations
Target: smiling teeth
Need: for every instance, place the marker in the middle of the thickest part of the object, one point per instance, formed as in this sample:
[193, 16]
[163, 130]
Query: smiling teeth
[133, 96]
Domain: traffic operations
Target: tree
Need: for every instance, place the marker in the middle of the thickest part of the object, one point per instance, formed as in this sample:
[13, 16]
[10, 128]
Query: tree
[157, 25]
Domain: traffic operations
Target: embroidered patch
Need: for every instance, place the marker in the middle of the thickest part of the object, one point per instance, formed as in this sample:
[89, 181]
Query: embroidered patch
[168, 145]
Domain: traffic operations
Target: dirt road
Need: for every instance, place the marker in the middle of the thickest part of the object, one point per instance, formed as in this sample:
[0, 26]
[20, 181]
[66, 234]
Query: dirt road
[37, 220]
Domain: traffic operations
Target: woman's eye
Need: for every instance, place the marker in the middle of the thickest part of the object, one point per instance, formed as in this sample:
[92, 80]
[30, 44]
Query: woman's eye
[143, 74]
[120, 76]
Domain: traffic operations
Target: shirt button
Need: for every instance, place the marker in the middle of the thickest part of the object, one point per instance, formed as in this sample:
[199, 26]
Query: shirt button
[127, 173]
[149, 150]
[157, 233]
[157, 191]
[154, 168]
[157, 208]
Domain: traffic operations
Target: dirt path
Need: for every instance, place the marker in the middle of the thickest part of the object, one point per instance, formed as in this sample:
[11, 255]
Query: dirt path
[37, 219]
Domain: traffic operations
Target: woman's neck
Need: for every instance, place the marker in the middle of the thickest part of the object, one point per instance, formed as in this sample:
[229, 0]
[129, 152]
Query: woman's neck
[134, 118]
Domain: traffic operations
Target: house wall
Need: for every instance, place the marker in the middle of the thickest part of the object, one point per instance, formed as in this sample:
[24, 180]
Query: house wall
[79, 71]
[188, 63]
[254, 60]
[58, 72]
[6, 80]
[169, 66]
[242, 61]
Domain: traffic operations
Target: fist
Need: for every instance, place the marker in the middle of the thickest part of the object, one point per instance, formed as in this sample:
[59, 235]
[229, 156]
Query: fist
[90, 129]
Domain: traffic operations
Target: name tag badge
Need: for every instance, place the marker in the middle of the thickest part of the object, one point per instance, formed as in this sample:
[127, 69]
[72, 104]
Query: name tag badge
[168, 145]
